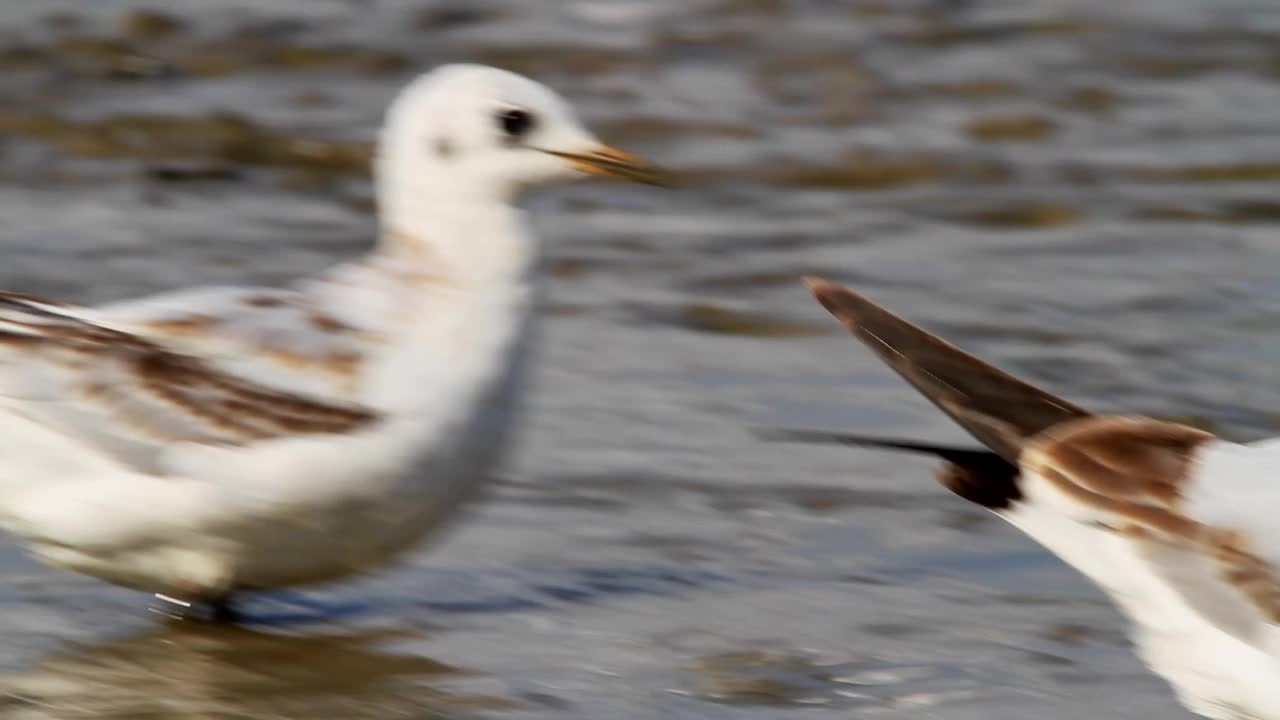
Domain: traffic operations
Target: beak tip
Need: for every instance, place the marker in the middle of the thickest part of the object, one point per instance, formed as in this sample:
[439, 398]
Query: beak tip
[613, 162]
[662, 179]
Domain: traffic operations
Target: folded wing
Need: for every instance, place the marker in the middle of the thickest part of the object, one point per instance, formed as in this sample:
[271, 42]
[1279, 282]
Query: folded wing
[133, 398]
[315, 339]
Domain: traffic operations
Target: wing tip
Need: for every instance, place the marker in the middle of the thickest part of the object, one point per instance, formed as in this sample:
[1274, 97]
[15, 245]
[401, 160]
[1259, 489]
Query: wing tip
[835, 298]
[824, 288]
[992, 485]
[815, 282]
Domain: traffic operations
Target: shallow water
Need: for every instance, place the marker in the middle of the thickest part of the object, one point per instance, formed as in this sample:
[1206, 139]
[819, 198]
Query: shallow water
[1081, 191]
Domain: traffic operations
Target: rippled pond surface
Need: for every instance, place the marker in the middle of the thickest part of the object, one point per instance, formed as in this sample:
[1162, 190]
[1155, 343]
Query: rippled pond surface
[1083, 191]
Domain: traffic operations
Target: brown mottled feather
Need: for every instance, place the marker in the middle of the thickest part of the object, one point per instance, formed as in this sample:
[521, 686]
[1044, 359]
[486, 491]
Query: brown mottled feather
[1121, 458]
[263, 301]
[232, 410]
[1136, 471]
[31, 298]
[190, 325]
[1251, 575]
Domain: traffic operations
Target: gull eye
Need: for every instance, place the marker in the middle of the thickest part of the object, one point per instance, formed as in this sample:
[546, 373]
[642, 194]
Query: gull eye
[515, 123]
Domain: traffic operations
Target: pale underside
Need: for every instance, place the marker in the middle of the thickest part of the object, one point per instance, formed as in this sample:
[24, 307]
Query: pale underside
[140, 433]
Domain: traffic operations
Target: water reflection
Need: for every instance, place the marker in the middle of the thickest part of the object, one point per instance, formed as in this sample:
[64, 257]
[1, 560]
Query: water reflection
[192, 670]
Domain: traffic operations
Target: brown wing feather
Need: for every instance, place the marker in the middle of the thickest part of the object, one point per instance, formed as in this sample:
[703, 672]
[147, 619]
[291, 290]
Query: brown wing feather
[136, 392]
[1132, 473]
[995, 407]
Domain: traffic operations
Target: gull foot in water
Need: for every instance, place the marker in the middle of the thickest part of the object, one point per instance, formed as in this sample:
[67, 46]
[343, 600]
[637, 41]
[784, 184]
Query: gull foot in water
[268, 609]
[221, 610]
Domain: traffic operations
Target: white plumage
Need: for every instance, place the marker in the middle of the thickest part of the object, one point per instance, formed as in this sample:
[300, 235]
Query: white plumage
[201, 442]
[1191, 624]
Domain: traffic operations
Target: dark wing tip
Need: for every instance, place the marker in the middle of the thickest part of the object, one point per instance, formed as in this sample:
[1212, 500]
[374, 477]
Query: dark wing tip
[995, 407]
[979, 476]
[993, 482]
[837, 299]
[818, 284]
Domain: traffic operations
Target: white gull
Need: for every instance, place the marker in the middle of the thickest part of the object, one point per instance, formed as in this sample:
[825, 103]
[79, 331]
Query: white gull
[207, 441]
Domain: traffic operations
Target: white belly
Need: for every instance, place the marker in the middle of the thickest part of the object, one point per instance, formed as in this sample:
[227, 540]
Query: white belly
[329, 542]
[362, 535]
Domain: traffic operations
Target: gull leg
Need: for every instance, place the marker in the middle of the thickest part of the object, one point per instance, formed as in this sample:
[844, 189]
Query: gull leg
[223, 610]
[219, 610]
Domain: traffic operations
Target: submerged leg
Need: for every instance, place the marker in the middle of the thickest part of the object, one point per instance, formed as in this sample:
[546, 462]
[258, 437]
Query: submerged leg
[219, 610]
[223, 610]
[279, 608]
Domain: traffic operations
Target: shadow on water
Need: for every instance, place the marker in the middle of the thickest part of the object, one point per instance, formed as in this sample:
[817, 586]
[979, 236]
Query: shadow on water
[470, 591]
[194, 670]
[290, 657]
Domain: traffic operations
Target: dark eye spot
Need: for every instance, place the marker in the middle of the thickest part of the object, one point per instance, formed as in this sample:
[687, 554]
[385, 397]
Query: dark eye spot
[515, 123]
[443, 148]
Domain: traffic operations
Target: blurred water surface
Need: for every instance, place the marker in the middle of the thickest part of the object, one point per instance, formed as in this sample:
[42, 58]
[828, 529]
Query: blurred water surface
[1082, 191]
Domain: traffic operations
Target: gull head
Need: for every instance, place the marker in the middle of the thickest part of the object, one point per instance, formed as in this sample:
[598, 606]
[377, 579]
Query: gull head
[471, 133]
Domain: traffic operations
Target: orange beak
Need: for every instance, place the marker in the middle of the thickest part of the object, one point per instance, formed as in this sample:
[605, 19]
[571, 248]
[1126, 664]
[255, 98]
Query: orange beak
[615, 163]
